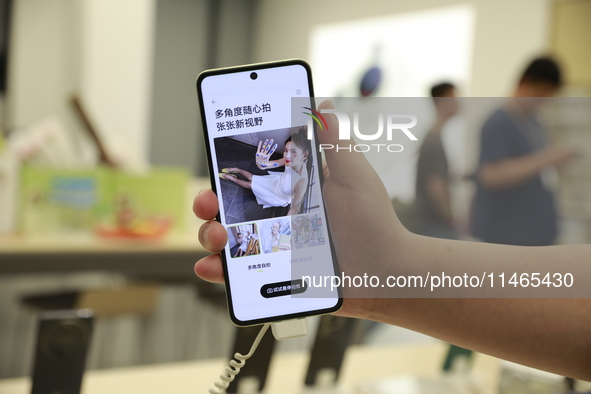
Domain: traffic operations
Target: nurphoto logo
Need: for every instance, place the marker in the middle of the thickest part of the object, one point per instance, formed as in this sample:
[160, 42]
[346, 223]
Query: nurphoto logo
[394, 122]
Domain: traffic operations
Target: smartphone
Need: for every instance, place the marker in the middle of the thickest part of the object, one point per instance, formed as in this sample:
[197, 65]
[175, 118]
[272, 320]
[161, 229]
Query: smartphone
[63, 339]
[332, 340]
[265, 168]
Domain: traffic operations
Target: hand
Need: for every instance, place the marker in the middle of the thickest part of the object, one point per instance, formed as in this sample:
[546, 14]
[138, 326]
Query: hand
[559, 155]
[264, 152]
[366, 233]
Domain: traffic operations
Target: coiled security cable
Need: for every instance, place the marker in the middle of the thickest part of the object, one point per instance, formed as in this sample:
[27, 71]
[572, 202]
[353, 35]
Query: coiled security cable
[235, 366]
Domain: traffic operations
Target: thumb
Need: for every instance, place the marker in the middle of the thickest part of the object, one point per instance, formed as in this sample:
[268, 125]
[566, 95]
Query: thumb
[344, 163]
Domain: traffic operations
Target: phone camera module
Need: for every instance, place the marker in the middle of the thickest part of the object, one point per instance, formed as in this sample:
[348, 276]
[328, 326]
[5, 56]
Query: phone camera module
[253, 76]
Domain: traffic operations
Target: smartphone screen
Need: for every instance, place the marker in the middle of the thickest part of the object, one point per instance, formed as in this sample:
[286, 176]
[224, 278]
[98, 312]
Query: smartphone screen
[265, 170]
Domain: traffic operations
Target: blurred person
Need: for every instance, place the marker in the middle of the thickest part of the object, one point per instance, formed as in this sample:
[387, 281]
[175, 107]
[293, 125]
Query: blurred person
[433, 200]
[432, 181]
[514, 202]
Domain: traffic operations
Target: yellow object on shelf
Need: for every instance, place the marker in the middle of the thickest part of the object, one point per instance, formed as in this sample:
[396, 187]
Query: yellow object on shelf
[103, 201]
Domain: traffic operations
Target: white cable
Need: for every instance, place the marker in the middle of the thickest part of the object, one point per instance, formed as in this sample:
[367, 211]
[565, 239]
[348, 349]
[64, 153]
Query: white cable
[235, 366]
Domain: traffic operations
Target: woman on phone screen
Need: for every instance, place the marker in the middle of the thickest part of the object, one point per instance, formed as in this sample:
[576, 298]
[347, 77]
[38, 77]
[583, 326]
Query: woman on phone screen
[277, 189]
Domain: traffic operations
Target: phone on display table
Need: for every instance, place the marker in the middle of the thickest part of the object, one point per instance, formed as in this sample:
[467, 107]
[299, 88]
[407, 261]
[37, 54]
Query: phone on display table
[63, 339]
[266, 171]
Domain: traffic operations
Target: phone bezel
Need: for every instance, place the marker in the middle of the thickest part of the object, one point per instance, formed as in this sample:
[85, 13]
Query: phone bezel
[257, 67]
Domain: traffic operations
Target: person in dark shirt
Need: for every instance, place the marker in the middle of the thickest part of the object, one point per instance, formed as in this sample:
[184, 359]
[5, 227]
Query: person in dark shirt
[432, 182]
[514, 203]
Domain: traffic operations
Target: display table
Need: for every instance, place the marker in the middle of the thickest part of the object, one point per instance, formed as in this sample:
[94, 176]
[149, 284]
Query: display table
[172, 256]
[362, 364]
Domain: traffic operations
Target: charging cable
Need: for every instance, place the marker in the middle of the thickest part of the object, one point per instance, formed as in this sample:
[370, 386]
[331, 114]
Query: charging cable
[235, 366]
[281, 330]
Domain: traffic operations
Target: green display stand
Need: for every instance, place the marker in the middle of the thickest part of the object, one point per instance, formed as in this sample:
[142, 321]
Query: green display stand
[102, 201]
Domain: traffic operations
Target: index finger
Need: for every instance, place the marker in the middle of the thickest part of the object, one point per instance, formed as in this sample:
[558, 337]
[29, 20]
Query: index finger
[205, 205]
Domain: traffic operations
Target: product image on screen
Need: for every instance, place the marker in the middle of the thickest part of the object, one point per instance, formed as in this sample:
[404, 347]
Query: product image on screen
[265, 171]
[308, 231]
[276, 235]
[262, 171]
[245, 240]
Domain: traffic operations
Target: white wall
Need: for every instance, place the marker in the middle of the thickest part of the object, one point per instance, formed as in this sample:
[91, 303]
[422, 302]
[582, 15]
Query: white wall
[179, 55]
[507, 33]
[99, 48]
[44, 59]
[413, 49]
[117, 58]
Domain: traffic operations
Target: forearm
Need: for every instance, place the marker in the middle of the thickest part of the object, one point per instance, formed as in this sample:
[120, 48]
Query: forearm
[550, 334]
[546, 334]
[298, 196]
[512, 172]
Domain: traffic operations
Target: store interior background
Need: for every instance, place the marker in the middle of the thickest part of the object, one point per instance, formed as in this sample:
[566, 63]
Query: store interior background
[134, 65]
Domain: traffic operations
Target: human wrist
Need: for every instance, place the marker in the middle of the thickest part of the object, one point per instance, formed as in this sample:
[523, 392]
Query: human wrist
[546, 157]
[403, 258]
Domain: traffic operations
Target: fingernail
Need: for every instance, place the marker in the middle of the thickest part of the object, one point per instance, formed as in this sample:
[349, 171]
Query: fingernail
[205, 238]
